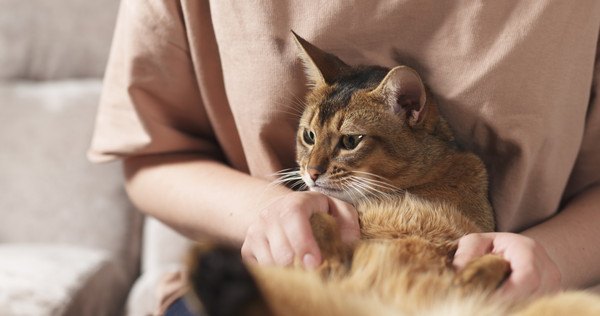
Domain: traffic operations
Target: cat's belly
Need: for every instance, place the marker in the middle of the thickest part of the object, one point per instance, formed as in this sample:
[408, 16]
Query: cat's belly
[408, 273]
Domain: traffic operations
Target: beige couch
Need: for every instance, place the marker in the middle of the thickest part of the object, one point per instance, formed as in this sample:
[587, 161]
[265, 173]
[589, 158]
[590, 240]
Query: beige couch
[70, 242]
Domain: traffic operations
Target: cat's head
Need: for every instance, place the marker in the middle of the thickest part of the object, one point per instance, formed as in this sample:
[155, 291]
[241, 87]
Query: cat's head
[363, 130]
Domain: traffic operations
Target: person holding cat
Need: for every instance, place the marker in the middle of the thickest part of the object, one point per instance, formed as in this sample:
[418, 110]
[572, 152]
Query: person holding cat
[201, 106]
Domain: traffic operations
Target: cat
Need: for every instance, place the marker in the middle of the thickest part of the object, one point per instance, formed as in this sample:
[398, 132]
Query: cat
[374, 137]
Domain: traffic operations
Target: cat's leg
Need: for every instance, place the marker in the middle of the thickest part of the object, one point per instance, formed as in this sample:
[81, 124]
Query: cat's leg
[336, 255]
[221, 285]
[484, 273]
[328, 236]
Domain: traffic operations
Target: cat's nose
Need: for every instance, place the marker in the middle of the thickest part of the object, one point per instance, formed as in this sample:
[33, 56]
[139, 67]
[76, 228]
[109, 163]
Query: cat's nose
[314, 173]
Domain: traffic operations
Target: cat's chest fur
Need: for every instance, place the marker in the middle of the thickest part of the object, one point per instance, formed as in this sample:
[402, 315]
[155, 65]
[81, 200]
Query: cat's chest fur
[407, 215]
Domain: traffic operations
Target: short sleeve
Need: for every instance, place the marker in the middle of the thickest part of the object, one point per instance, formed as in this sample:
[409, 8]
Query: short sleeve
[586, 171]
[151, 102]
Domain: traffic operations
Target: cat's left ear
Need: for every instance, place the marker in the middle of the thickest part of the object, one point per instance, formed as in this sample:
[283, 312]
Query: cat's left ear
[404, 92]
[321, 68]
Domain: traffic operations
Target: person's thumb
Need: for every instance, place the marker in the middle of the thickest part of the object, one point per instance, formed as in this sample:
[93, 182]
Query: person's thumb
[470, 247]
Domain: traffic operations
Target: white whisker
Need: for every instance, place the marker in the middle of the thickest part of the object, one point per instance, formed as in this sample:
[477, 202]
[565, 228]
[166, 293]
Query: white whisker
[297, 185]
[368, 187]
[289, 177]
[385, 184]
[358, 188]
[373, 175]
[381, 185]
[350, 191]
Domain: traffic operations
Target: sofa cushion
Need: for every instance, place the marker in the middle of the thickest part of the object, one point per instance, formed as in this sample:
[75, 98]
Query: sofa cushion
[51, 194]
[42, 279]
[56, 39]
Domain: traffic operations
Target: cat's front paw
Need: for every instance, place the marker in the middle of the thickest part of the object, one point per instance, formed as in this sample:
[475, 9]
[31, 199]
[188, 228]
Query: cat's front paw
[336, 255]
[484, 273]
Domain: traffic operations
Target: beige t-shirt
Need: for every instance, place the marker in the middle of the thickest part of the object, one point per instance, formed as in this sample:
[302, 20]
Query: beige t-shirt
[515, 79]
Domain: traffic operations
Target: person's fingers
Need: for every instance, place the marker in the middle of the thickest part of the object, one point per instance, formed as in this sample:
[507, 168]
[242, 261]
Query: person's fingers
[256, 246]
[470, 247]
[296, 227]
[281, 251]
[524, 280]
[262, 251]
[247, 253]
[283, 231]
[533, 271]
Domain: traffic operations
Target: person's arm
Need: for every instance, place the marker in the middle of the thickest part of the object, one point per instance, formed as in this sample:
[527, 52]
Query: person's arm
[563, 251]
[572, 239]
[199, 197]
[202, 198]
[152, 109]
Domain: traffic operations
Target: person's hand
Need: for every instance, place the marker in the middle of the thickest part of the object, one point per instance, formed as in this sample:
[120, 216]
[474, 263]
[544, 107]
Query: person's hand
[282, 231]
[533, 272]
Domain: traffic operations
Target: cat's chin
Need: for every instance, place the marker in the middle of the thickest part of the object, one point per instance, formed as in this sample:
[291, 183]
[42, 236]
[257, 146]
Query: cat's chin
[338, 194]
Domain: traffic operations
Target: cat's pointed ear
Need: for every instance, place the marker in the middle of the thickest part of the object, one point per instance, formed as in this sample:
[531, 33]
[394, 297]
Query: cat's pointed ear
[320, 66]
[404, 92]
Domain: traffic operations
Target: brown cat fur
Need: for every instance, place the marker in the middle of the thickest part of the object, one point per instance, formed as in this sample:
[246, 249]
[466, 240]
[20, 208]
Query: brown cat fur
[433, 194]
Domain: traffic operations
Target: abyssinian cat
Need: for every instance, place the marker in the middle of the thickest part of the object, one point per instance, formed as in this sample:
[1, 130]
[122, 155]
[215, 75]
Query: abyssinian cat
[373, 136]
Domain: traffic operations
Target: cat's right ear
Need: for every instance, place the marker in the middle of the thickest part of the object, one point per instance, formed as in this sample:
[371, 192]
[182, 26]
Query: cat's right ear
[404, 92]
[320, 67]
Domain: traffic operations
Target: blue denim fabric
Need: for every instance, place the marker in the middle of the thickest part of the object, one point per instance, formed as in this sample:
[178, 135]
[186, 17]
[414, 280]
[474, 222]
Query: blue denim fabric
[178, 308]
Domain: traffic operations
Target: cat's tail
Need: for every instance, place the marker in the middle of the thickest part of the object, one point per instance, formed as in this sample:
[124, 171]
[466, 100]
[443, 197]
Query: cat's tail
[221, 285]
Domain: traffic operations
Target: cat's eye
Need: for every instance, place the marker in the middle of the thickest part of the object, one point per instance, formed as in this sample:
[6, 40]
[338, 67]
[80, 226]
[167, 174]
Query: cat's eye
[350, 142]
[309, 137]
